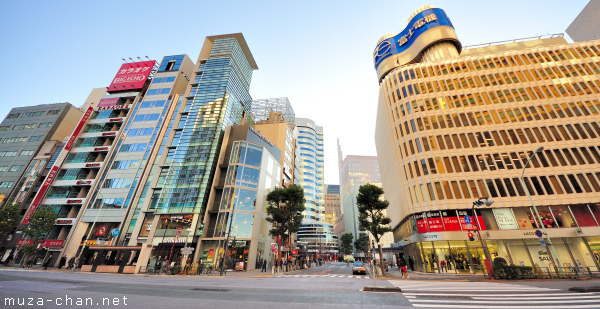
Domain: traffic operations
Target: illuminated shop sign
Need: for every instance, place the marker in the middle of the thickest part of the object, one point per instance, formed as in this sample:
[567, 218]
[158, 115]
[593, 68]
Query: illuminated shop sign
[505, 219]
[424, 29]
[402, 41]
[108, 102]
[131, 76]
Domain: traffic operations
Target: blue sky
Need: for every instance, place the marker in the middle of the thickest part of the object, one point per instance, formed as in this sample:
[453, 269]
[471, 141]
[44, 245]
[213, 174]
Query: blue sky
[317, 53]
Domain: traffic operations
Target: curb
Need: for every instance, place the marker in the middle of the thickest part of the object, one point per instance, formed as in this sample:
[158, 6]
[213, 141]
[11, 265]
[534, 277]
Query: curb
[583, 290]
[381, 289]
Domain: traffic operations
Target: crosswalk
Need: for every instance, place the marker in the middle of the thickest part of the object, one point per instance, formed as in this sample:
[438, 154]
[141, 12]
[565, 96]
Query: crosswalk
[321, 276]
[492, 295]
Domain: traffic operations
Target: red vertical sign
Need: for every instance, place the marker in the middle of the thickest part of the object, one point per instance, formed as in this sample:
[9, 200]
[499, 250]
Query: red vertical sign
[80, 125]
[40, 194]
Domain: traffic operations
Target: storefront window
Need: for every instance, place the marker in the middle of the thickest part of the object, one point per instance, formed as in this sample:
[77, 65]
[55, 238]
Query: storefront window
[545, 215]
[539, 254]
[442, 252]
[595, 211]
[519, 253]
[594, 243]
[429, 257]
[582, 215]
[505, 219]
[582, 255]
[488, 218]
[497, 248]
[459, 259]
[563, 216]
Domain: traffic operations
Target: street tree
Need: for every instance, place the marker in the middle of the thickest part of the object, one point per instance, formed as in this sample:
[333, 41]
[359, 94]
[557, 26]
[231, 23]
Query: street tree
[41, 222]
[284, 210]
[346, 246]
[371, 217]
[362, 243]
[9, 218]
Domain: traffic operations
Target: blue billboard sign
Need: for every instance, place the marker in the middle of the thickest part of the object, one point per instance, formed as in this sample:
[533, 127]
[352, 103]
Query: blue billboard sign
[418, 25]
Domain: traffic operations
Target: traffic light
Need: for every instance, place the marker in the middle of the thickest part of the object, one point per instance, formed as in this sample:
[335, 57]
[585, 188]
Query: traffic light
[471, 238]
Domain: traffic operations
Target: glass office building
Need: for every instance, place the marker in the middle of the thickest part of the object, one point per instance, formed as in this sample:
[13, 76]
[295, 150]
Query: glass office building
[315, 233]
[457, 124]
[218, 96]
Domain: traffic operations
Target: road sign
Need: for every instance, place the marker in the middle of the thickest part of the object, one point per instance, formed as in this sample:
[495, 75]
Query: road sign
[467, 220]
[274, 247]
[542, 242]
[187, 250]
[538, 233]
[114, 232]
[179, 229]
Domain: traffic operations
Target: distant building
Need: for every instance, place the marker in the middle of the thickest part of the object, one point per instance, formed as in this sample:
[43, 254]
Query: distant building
[315, 232]
[262, 108]
[281, 133]
[332, 204]
[586, 26]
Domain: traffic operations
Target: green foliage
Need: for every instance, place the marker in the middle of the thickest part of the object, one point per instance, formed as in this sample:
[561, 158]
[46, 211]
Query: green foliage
[28, 250]
[370, 208]
[362, 243]
[9, 218]
[346, 246]
[512, 272]
[285, 210]
[41, 222]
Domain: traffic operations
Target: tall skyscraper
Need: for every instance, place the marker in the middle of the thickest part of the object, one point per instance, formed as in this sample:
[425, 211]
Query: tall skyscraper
[315, 232]
[454, 125]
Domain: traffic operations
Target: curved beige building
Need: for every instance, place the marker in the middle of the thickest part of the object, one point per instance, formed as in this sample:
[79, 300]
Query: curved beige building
[451, 129]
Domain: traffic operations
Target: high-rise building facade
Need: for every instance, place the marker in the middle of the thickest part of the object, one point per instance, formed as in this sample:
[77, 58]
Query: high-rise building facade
[333, 209]
[280, 132]
[315, 232]
[23, 132]
[455, 125]
[262, 108]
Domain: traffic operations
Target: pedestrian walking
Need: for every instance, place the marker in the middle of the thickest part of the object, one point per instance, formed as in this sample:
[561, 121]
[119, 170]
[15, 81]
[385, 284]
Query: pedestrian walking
[443, 267]
[264, 266]
[47, 262]
[403, 270]
[62, 262]
[411, 263]
[71, 262]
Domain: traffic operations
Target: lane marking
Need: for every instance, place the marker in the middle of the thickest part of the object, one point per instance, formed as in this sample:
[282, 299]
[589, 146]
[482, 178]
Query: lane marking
[501, 307]
[497, 295]
[504, 302]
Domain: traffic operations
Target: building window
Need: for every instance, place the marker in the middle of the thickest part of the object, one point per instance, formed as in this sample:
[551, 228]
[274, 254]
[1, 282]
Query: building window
[16, 168]
[53, 112]
[27, 152]
[3, 168]
[6, 184]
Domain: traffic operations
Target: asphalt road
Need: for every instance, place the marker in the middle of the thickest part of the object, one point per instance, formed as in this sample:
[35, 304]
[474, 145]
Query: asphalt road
[328, 286]
[316, 291]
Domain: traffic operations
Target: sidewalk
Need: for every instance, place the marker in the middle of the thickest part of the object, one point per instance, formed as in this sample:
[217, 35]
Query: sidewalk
[395, 274]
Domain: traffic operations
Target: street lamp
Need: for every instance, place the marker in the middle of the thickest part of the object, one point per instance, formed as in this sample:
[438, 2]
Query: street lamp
[550, 248]
[483, 201]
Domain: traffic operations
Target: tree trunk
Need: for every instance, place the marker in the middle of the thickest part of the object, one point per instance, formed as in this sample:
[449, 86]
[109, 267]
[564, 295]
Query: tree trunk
[381, 260]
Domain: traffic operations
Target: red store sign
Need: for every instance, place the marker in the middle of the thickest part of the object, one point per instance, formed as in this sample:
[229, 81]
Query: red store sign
[101, 149]
[53, 243]
[131, 76]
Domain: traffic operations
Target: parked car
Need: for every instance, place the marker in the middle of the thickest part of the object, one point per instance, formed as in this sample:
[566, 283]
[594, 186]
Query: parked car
[359, 268]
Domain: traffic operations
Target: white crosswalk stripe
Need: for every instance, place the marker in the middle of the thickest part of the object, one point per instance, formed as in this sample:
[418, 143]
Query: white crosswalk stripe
[322, 276]
[491, 295]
